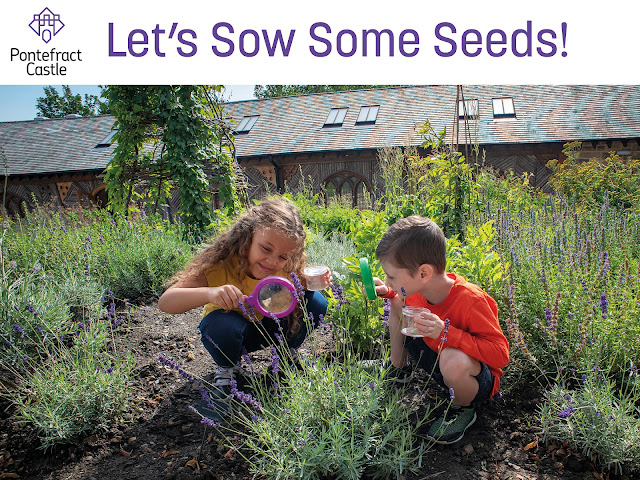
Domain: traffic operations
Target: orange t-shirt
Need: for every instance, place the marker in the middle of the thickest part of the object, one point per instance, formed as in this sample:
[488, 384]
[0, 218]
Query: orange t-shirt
[473, 328]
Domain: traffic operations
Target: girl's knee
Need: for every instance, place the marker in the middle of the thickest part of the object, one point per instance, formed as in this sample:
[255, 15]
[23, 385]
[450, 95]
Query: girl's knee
[222, 323]
[316, 303]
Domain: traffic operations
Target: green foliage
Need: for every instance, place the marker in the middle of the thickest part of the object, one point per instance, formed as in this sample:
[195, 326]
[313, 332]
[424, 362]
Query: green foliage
[360, 320]
[598, 417]
[367, 231]
[270, 91]
[326, 417]
[54, 105]
[477, 259]
[588, 183]
[441, 187]
[335, 218]
[133, 258]
[167, 133]
[507, 191]
[77, 391]
[330, 251]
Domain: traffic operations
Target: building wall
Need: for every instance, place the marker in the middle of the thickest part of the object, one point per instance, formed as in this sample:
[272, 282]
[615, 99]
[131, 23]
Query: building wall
[601, 150]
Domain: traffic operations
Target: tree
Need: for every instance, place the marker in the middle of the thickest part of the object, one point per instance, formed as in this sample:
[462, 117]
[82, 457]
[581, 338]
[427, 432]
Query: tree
[270, 91]
[54, 105]
[170, 135]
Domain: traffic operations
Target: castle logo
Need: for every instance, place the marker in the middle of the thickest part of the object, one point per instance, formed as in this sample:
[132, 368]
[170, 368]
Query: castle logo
[46, 24]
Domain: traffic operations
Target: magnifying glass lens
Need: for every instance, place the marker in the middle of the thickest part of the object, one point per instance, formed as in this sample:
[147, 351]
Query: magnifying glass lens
[275, 298]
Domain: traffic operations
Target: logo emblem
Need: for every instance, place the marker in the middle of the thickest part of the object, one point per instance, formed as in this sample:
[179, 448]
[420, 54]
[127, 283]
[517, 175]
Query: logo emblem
[46, 24]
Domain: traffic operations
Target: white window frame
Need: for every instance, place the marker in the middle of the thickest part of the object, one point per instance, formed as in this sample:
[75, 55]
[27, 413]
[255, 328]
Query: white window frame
[247, 123]
[368, 114]
[472, 110]
[336, 117]
[107, 141]
[503, 107]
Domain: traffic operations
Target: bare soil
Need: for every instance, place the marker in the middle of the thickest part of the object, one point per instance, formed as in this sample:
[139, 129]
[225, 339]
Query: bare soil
[160, 437]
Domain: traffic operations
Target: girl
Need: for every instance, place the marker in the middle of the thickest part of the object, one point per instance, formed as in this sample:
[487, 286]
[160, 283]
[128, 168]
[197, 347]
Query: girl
[268, 239]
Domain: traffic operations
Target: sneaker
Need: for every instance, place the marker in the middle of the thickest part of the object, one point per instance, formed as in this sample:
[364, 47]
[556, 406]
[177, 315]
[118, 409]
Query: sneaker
[450, 427]
[222, 382]
[216, 407]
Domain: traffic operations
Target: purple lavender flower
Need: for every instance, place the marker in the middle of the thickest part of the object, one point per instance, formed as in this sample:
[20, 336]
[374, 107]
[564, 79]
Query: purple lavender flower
[245, 398]
[30, 308]
[567, 412]
[244, 311]
[445, 330]
[338, 293]
[275, 361]
[451, 394]
[298, 285]
[36, 268]
[604, 304]
[209, 423]
[13, 265]
[386, 312]
[18, 329]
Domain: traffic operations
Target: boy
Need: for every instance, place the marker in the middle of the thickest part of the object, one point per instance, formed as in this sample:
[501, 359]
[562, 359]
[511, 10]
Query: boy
[462, 341]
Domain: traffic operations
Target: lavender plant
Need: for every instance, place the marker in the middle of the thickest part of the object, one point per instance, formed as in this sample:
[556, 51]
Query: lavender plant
[133, 258]
[307, 414]
[598, 416]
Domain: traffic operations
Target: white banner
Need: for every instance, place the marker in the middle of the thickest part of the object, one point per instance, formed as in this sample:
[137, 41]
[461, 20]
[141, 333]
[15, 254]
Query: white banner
[328, 42]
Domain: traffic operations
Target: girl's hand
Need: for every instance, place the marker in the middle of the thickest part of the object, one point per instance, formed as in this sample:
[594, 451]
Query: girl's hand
[429, 325]
[227, 296]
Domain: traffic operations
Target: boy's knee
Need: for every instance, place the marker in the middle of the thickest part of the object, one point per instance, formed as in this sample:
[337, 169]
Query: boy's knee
[455, 363]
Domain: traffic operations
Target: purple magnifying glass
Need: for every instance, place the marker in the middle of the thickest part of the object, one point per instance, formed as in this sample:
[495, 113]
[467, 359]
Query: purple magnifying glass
[273, 297]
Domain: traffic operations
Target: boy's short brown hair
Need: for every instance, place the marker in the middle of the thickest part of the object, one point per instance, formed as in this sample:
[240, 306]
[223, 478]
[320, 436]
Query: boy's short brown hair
[414, 241]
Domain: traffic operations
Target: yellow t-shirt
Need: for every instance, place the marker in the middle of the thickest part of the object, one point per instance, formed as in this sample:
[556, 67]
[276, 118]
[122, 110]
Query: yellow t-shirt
[225, 273]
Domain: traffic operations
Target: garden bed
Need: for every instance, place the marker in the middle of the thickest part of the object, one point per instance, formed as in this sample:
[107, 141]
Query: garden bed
[160, 438]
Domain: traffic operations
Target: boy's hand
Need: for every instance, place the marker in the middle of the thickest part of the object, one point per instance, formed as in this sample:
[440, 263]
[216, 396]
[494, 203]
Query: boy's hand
[381, 288]
[227, 296]
[429, 325]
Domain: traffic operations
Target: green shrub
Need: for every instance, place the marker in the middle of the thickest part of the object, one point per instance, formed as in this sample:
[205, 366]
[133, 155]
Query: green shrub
[587, 184]
[596, 417]
[78, 391]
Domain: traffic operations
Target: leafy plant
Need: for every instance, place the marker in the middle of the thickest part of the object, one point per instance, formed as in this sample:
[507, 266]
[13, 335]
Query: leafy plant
[166, 132]
[597, 416]
[77, 391]
[477, 259]
[588, 183]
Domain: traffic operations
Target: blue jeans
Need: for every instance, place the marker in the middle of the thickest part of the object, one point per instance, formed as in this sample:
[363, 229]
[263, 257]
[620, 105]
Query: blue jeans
[225, 332]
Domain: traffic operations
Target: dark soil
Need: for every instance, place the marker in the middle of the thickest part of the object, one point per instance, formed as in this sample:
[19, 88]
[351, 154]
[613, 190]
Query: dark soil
[161, 438]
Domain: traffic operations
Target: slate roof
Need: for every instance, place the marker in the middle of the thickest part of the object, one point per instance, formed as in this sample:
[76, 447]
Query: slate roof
[56, 145]
[544, 113]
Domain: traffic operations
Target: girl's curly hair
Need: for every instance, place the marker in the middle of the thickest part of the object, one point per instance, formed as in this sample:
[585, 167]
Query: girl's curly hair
[275, 214]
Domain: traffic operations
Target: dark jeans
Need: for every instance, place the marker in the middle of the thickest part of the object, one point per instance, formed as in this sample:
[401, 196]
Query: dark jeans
[225, 332]
[428, 360]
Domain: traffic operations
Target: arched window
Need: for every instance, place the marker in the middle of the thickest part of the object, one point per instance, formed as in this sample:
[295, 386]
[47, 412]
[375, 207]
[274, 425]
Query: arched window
[348, 185]
[14, 205]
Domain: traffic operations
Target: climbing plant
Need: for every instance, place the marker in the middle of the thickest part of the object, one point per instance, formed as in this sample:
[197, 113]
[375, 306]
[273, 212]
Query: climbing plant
[170, 135]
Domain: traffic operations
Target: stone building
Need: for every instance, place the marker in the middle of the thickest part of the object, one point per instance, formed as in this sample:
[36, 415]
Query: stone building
[330, 141]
